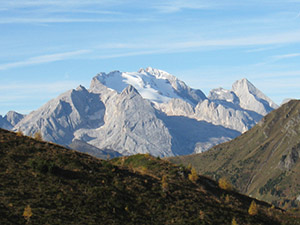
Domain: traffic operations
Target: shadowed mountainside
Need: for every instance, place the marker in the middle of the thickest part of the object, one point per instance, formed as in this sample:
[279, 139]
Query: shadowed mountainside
[263, 162]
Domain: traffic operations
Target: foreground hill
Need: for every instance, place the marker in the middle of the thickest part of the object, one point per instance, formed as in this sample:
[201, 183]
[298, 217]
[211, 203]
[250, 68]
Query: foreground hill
[43, 183]
[263, 162]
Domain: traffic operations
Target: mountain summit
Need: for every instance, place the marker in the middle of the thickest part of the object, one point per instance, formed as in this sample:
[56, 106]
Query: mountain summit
[149, 111]
[251, 98]
[153, 84]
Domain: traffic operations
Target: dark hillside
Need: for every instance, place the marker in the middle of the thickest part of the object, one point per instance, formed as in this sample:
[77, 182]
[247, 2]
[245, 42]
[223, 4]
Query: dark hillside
[43, 183]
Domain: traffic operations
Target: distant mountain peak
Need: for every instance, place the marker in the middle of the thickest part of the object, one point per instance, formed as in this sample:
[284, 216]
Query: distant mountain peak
[243, 85]
[251, 98]
[81, 88]
[159, 74]
[13, 117]
[130, 90]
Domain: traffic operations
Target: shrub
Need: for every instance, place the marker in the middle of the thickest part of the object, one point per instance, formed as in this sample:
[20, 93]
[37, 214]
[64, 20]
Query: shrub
[38, 136]
[42, 166]
[19, 133]
[201, 215]
[225, 184]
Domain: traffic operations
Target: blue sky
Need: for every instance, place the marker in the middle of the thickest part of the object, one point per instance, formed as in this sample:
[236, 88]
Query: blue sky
[50, 46]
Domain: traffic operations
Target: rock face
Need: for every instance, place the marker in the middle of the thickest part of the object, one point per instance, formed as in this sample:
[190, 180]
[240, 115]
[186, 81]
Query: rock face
[5, 124]
[58, 119]
[13, 117]
[239, 109]
[288, 161]
[147, 111]
[251, 98]
[10, 120]
[130, 126]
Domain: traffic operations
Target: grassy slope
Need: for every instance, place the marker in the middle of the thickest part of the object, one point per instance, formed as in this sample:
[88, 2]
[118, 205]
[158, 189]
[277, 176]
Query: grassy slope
[251, 161]
[62, 186]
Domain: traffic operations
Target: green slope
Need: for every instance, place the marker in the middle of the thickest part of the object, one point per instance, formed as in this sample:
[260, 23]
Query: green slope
[61, 186]
[263, 162]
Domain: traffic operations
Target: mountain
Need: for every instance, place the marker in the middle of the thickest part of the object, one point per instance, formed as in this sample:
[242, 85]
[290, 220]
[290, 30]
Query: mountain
[44, 183]
[152, 84]
[58, 119]
[264, 162]
[149, 111]
[251, 98]
[238, 109]
[5, 124]
[13, 117]
[10, 120]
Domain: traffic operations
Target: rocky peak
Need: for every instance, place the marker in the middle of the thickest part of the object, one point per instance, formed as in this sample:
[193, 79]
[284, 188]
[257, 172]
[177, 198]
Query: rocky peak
[129, 91]
[81, 88]
[252, 98]
[13, 117]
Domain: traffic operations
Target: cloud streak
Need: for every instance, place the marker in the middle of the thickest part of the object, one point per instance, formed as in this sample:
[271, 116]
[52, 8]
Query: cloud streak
[44, 59]
[286, 56]
[69, 20]
[179, 5]
[103, 51]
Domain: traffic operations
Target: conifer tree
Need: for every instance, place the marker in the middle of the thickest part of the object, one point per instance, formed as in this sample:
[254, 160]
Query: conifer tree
[27, 213]
[253, 209]
[164, 183]
[193, 176]
[233, 222]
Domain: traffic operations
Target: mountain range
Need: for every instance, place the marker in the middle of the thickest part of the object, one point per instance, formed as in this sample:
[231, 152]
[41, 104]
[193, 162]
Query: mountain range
[149, 111]
[264, 162]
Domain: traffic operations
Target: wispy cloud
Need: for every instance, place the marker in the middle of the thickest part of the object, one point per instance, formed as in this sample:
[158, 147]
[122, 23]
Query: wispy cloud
[178, 5]
[44, 59]
[69, 20]
[261, 49]
[286, 56]
[157, 47]
[276, 58]
[57, 3]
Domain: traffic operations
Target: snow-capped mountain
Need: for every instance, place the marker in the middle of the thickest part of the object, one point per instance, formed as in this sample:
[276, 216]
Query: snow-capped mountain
[155, 85]
[147, 111]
